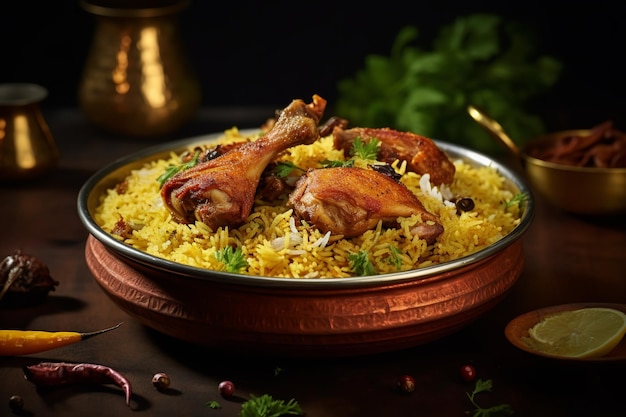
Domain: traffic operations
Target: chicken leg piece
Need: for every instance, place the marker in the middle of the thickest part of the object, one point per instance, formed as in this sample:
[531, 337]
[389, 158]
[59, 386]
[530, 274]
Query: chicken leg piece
[350, 201]
[421, 153]
[220, 192]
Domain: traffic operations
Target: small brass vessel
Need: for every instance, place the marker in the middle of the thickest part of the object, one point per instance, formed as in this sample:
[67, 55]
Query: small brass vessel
[27, 147]
[585, 191]
[137, 80]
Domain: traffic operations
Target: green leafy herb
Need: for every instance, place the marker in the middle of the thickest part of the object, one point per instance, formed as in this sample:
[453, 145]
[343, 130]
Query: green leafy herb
[365, 150]
[172, 170]
[233, 259]
[327, 163]
[495, 411]
[266, 406]
[517, 199]
[477, 59]
[213, 404]
[284, 168]
[394, 256]
[360, 264]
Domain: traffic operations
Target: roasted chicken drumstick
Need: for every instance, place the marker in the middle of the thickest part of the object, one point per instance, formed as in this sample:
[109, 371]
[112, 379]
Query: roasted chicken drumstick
[421, 153]
[220, 192]
[350, 201]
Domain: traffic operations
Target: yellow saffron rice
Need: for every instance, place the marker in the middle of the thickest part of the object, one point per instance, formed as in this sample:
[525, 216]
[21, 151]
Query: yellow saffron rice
[275, 245]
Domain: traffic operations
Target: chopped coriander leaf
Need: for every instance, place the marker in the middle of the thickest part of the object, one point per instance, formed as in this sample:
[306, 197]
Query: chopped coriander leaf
[394, 257]
[517, 199]
[213, 404]
[232, 259]
[266, 406]
[284, 168]
[172, 170]
[365, 150]
[361, 265]
[327, 163]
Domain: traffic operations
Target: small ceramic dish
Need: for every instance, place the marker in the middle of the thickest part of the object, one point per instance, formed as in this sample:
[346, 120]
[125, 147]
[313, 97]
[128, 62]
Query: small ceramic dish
[516, 331]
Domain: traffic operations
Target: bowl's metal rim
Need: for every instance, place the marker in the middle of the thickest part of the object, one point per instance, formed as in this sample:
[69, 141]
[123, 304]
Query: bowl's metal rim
[531, 160]
[151, 261]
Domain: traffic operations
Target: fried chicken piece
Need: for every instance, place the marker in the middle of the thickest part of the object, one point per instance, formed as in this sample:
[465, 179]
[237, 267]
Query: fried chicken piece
[423, 156]
[220, 192]
[350, 201]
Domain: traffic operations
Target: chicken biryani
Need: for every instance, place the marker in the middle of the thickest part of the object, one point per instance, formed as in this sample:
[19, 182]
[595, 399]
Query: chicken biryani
[300, 199]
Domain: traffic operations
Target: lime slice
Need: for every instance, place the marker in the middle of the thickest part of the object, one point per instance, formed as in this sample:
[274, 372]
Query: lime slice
[585, 333]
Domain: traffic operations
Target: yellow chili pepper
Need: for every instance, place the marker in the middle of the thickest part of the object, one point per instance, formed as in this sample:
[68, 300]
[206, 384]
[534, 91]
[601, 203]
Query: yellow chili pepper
[25, 342]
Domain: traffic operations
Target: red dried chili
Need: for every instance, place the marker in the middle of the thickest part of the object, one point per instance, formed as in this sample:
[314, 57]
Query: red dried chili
[51, 374]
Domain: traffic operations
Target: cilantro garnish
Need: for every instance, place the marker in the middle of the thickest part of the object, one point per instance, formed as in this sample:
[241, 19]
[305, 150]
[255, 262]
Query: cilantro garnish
[365, 150]
[266, 406]
[394, 256]
[327, 163]
[517, 199]
[284, 168]
[172, 170]
[359, 149]
[213, 404]
[495, 411]
[361, 265]
[232, 259]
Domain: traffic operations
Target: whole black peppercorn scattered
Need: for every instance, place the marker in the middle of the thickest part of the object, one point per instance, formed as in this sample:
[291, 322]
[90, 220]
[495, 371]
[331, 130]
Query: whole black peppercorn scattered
[16, 403]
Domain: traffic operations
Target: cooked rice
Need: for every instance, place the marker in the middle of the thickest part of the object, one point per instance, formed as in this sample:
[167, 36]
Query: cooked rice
[275, 245]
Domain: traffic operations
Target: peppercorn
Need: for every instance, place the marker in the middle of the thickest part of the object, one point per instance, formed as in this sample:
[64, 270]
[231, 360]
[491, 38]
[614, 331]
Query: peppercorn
[226, 388]
[16, 403]
[468, 373]
[161, 381]
[406, 383]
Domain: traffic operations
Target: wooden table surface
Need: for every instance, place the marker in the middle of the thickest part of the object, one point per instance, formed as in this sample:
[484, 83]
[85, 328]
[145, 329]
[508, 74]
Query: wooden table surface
[568, 259]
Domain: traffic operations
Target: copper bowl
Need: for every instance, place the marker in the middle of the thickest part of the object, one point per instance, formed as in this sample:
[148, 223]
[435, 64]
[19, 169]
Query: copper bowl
[299, 317]
[580, 190]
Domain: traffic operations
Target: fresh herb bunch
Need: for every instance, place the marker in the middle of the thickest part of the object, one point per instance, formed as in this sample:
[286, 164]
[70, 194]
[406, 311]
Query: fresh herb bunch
[478, 59]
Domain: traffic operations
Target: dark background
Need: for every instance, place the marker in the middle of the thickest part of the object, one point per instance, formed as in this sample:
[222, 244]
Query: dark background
[253, 53]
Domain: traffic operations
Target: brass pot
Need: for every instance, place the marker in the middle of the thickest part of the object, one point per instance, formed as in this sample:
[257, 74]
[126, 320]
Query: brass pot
[137, 80]
[27, 147]
[580, 190]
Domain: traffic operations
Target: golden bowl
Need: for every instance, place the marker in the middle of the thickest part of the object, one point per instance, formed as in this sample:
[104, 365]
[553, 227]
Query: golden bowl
[299, 317]
[581, 190]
